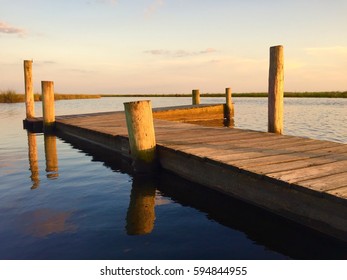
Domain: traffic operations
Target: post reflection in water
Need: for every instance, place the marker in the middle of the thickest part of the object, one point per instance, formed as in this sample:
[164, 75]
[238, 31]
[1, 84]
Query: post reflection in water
[214, 122]
[141, 214]
[33, 160]
[51, 156]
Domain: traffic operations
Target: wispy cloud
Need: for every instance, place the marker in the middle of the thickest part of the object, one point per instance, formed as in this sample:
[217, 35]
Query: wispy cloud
[112, 2]
[49, 62]
[150, 10]
[42, 63]
[180, 53]
[7, 29]
[80, 71]
[334, 50]
[208, 50]
[108, 1]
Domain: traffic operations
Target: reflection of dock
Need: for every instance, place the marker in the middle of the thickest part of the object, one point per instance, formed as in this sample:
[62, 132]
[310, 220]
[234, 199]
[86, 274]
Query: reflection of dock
[302, 179]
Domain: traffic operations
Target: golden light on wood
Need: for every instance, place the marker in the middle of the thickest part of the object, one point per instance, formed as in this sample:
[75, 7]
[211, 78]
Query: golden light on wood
[29, 89]
[275, 98]
[48, 105]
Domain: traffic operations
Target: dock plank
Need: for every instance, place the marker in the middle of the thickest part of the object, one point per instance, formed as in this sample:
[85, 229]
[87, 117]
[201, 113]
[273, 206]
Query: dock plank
[302, 174]
[282, 157]
[300, 163]
[325, 183]
[340, 192]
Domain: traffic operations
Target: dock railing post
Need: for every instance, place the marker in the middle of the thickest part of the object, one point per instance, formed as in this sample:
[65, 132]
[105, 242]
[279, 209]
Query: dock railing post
[275, 97]
[29, 89]
[48, 106]
[139, 119]
[196, 97]
[229, 107]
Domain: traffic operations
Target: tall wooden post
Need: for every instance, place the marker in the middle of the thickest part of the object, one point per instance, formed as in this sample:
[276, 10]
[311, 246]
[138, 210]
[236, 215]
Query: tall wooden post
[229, 107]
[196, 97]
[142, 142]
[48, 105]
[275, 98]
[29, 89]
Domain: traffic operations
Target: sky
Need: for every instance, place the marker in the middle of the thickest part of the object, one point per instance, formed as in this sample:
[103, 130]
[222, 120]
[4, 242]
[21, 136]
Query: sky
[172, 46]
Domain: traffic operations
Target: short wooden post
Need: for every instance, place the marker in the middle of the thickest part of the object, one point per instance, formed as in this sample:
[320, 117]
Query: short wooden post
[275, 98]
[51, 156]
[196, 97]
[29, 89]
[229, 107]
[48, 106]
[142, 142]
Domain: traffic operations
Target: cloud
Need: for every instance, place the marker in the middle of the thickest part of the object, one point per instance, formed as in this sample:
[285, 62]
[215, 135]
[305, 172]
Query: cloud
[334, 50]
[208, 50]
[105, 2]
[158, 52]
[40, 63]
[180, 53]
[49, 62]
[7, 29]
[80, 71]
[150, 10]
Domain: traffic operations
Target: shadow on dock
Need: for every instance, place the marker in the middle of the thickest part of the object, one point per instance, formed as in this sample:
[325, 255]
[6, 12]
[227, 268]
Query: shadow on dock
[272, 231]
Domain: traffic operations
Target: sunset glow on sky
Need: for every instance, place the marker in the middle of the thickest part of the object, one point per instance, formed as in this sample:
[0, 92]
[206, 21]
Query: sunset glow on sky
[172, 46]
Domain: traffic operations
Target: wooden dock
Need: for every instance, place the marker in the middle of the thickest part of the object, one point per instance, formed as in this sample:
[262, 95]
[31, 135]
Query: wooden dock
[302, 179]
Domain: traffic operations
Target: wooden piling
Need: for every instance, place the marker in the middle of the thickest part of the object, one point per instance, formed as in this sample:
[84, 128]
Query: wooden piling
[48, 106]
[139, 119]
[229, 107]
[196, 97]
[275, 98]
[29, 89]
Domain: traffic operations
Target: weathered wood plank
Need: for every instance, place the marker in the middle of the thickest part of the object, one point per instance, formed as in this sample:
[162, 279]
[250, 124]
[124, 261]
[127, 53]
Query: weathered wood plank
[300, 163]
[280, 158]
[340, 192]
[317, 171]
[325, 183]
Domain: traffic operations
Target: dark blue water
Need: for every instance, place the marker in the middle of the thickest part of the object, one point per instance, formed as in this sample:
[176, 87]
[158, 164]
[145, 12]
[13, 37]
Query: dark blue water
[62, 199]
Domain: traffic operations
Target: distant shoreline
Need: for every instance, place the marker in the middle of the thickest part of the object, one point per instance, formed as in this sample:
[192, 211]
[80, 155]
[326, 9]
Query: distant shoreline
[13, 97]
[331, 94]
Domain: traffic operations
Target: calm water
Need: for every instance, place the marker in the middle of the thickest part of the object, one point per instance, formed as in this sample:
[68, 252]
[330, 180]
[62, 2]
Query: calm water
[65, 200]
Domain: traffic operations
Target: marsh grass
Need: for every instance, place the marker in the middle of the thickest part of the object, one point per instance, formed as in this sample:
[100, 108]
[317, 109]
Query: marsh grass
[10, 96]
[330, 94]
